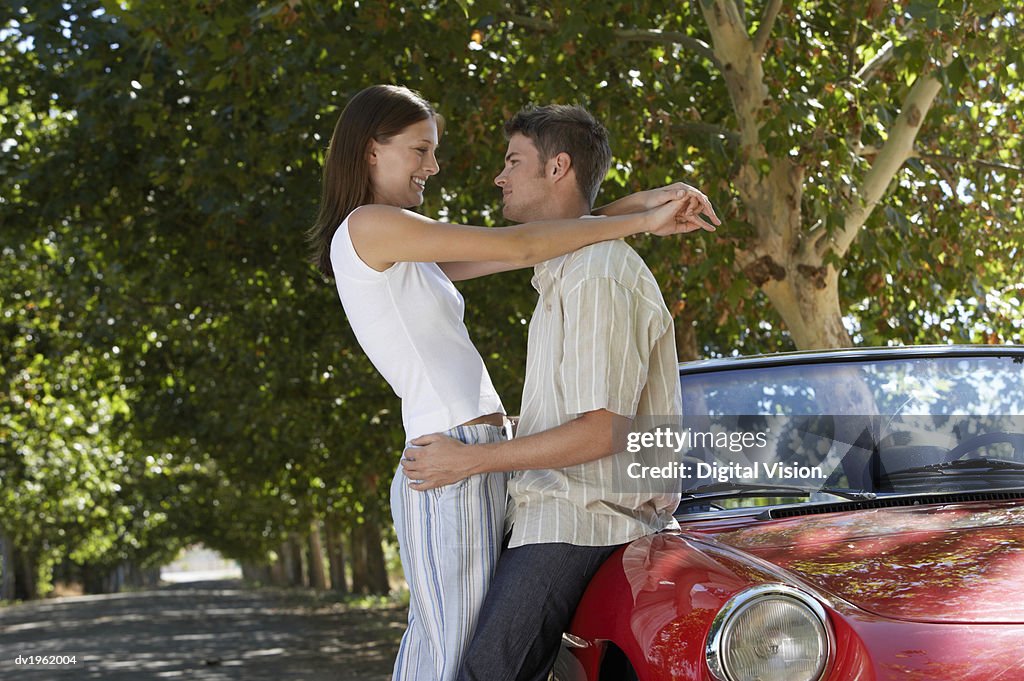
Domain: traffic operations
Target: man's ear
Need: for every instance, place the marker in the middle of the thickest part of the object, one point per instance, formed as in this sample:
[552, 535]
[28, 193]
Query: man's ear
[559, 165]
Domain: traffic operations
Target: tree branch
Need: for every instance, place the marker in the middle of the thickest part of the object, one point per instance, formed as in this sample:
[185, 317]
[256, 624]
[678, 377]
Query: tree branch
[741, 67]
[943, 172]
[764, 31]
[884, 55]
[731, 136]
[868, 71]
[896, 150]
[972, 161]
[653, 35]
[870, 152]
[741, 8]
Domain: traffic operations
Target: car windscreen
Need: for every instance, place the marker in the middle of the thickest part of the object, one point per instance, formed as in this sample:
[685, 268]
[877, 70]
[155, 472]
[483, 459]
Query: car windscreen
[810, 430]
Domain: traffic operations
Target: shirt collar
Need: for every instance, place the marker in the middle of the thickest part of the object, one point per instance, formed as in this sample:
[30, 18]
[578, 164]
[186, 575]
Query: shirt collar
[545, 273]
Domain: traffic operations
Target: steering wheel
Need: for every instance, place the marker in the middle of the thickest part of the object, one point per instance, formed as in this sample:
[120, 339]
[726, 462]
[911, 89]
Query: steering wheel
[985, 439]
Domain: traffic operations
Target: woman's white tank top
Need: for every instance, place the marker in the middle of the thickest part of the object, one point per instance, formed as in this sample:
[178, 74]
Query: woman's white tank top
[409, 321]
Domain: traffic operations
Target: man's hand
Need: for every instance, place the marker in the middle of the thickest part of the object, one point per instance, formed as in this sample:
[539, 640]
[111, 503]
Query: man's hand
[437, 460]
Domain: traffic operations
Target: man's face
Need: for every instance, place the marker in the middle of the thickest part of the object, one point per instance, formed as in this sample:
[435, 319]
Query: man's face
[524, 184]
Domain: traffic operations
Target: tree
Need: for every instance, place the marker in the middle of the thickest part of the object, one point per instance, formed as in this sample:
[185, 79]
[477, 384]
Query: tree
[818, 124]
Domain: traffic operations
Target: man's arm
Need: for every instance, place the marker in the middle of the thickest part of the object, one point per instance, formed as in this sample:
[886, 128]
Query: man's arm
[440, 460]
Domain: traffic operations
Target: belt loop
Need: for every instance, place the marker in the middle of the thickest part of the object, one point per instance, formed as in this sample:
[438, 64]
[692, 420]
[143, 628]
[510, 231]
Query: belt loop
[506, 427]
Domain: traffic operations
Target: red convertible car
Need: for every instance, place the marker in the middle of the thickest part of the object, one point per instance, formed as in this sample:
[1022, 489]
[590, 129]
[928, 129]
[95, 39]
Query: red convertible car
[845, 515]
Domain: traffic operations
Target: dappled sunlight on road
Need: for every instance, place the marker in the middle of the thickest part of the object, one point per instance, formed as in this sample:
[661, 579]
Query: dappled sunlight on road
[209, 631]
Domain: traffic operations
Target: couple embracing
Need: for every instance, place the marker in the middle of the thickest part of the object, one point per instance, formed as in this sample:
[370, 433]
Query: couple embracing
[499, 536]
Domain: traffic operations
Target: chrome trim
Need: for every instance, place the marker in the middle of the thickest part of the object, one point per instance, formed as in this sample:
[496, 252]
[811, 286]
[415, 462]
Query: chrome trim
[747, 597]
[848, 354]
[571, 641]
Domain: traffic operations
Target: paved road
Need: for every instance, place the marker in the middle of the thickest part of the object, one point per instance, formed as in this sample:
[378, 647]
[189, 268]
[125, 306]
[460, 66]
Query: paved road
[208, 631]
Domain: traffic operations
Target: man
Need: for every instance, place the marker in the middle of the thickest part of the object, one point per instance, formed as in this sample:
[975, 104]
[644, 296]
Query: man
[601, 353]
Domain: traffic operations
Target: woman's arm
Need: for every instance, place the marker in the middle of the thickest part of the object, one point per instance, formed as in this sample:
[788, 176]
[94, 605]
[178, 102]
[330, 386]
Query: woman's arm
[460, 271]
[383, 235]
[634, 203]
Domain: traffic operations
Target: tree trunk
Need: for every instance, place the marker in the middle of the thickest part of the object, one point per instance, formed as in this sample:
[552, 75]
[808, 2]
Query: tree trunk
[359, 566]
[297, 573]
[261, 574]
[287, 563]
[317, 576]
[808, 301]
[687, 348]
[92, 581]
[141, 578]
[369, 571]
[115, 579]
[279, 568]
[7, 569]
[786, 264]
[25, 587]
[335, 554]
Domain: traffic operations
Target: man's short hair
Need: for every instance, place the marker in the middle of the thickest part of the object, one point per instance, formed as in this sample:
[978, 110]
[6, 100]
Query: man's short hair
[561, 128]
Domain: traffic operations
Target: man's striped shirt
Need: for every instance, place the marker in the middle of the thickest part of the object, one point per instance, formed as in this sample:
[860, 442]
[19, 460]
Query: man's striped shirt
[601, 337]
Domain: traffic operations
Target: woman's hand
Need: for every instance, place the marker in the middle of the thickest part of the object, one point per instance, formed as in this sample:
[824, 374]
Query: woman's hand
[681, 215]
[652, 198]
[639, 202]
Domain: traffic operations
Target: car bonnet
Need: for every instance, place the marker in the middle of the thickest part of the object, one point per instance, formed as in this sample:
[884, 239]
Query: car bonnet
[939, 563]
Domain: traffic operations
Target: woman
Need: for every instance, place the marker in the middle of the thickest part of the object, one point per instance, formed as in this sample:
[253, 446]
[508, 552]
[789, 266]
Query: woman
[394, 271]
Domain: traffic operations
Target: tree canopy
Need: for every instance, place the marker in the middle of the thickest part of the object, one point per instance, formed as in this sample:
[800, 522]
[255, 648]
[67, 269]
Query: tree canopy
[175, 370]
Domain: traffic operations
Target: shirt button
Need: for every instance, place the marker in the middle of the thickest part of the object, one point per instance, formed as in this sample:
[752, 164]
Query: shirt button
[548, 307]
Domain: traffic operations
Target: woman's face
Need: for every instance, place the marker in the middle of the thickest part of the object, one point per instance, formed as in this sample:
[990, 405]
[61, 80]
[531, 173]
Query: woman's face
[399, 168]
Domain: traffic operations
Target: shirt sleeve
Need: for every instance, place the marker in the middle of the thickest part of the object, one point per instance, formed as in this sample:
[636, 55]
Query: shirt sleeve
[609, 335]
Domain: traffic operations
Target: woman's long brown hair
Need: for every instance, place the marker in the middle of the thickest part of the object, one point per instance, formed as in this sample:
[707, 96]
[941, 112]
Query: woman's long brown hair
[377, 113]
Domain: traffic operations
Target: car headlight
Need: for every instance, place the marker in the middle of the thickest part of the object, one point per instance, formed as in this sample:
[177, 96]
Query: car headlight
[770, 632]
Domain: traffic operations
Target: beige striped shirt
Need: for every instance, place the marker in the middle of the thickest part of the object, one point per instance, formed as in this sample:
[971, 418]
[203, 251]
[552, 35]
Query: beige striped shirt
[601, 337]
